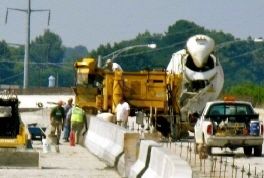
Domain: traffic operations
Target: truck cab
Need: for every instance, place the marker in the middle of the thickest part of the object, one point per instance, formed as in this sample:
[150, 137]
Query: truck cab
[229, 123]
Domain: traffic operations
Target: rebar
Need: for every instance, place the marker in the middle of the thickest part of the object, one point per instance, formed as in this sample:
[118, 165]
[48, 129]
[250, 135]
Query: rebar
[225, 167]
[211, 165]
[242, 172]
[204, 166]
[190, 152]
[236, 168]
[221, 161]
[233, 165]
[181, 149]
[249, 173]
[215, 161]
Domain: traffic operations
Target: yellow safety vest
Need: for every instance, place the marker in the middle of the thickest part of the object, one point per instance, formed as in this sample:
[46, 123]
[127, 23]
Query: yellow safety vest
[77, 114]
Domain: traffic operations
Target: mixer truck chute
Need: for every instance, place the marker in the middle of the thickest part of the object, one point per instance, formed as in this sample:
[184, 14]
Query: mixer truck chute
[169, 97]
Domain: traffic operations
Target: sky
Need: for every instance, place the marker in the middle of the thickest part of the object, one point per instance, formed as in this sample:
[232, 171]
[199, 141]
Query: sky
[92, 22]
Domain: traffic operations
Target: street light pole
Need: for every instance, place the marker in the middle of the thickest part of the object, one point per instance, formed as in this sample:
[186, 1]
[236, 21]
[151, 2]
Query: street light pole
[118, 52]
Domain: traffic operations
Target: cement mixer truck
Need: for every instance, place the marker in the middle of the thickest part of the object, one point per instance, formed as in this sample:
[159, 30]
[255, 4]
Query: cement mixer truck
[167, 97]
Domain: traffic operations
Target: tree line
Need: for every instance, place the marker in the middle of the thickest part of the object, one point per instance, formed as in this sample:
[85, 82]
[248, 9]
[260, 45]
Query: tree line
[242, 60]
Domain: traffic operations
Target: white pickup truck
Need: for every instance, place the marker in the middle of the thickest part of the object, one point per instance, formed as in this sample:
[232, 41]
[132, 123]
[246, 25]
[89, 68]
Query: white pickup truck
[229, 123]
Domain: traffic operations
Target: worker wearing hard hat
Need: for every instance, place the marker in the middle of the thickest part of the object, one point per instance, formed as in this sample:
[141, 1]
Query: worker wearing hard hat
[57, 116]
[78, 122]
[112, 66]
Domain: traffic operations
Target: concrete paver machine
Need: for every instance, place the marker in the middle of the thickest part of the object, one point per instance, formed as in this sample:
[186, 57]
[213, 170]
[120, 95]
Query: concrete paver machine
[15, 143]
[151, 92]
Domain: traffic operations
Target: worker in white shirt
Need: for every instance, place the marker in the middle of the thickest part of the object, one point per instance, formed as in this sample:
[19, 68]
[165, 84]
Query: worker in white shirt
[122, 113]
[112, 66]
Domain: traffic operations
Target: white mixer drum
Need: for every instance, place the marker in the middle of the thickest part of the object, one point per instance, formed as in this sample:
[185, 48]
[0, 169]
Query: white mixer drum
[200, 47]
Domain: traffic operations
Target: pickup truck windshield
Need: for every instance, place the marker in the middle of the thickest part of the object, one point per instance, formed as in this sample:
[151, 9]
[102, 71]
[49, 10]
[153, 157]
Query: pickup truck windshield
[236, 112]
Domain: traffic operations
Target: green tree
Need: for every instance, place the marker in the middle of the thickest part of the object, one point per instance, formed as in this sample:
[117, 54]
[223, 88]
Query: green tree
[72, 54]
[46, 57]
[47, 48]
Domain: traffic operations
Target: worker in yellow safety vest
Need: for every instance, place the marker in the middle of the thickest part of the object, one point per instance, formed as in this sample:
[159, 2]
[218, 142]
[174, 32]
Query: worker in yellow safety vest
[78, 122]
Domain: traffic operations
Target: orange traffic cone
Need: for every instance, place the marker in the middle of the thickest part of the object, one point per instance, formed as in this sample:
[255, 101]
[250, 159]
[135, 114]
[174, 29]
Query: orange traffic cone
[72, 138]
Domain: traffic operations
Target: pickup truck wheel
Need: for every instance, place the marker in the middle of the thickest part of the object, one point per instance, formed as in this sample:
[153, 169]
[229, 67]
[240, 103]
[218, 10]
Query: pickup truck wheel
[258, 150]
[248, 150]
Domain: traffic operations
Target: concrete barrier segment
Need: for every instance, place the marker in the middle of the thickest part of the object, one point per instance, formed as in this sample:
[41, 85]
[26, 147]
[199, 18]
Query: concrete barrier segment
[129, 156]
[106, 116]
[140, 166]
[163, 163]
[17, 158]
[105, 140]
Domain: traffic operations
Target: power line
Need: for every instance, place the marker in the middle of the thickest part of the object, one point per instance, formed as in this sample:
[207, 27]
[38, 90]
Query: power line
[154, 50]
[11, 77]
[27, 44]
[220, 46]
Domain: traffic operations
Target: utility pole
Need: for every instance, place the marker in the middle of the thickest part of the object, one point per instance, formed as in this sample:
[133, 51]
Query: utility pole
[27, 43]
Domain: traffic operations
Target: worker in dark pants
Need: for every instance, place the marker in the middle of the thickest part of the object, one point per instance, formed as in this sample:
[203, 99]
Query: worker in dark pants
[67, 123]
[57, 116]
[78, 122]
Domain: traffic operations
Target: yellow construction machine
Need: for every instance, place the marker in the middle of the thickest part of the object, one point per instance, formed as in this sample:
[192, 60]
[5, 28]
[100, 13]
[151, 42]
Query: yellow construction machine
[152, 92]
[171, 98]
[12, 130]
[15, 144]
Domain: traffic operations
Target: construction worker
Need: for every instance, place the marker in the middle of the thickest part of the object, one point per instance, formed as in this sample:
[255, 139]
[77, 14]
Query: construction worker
[78, 121]
[112, 66]
[57, 116]
[67, 123]
[122, 112]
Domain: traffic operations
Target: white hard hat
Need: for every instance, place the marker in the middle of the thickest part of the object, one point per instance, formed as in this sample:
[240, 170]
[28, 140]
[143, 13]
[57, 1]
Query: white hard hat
[108, 61]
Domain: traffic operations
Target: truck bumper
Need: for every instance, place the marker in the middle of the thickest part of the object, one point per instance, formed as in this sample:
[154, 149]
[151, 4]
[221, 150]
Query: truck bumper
[234, 141]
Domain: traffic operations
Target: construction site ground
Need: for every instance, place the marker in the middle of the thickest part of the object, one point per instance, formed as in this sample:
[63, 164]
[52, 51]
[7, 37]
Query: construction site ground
[71, 161]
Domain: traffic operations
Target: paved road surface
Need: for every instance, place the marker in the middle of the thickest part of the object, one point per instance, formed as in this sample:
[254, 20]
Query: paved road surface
[70, 162]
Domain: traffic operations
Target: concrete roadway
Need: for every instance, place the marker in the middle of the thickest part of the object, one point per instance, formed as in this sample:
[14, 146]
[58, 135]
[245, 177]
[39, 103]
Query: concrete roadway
[72, 161]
